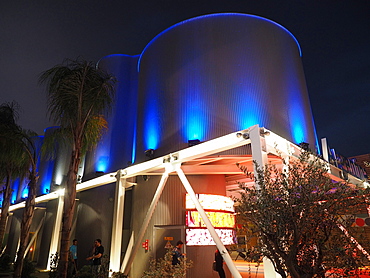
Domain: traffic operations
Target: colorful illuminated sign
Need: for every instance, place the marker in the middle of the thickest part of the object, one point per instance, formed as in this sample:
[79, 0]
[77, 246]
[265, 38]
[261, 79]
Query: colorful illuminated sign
[218, 219]
[219, 210]
[203, 237]
[211, 202]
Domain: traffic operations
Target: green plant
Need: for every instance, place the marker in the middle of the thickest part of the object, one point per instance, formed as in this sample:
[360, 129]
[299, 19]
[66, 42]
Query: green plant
[54, 265]
[118, 275]
[5, 262]
[299, 215]
[82, 93]
[104, 268]
[84, 272]
[28, 269]
[163, 268]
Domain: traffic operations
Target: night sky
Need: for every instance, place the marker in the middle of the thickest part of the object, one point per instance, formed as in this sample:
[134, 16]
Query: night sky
[334, 37]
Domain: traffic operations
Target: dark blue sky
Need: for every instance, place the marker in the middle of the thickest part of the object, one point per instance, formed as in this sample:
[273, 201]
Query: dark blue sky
[334, 36]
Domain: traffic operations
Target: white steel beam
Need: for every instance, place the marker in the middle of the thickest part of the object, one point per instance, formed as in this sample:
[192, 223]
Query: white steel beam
[146, 221]
[259, 154]
[105, 179]
[117, 225]
[128, 252]
[225, 255]
[34, 236]
[102, 180]
[260, 158]
[232, 140]
[55, 236]
[271, 143]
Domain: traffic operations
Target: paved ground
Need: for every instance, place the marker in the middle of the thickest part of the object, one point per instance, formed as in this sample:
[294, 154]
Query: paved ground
[41, 274]
[246, 269]
[249, 270]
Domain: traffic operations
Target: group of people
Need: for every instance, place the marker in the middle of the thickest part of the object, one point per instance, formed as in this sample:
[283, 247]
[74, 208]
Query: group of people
[95, 258]
[98, 252]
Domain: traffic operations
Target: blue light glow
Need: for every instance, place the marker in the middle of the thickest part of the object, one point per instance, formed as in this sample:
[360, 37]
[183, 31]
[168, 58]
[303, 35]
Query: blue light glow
[25, 192]
[13, 198]
[316, 139]
[102, 154]
[249, 118]
[102, 164]
[194, 128]
[297, 119]
[152, 122]
[247, 113]
[216, 15]
[47, 176]
[133, 155]
[194, 115]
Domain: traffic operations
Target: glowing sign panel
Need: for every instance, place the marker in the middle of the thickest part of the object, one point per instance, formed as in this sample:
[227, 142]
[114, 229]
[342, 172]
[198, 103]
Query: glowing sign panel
[203, 237]
[219, 210]
[211, 202]
[218, 219]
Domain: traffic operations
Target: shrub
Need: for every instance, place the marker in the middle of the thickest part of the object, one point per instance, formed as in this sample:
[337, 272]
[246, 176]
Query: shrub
[163, 268]
[28, 269]
[5, 262]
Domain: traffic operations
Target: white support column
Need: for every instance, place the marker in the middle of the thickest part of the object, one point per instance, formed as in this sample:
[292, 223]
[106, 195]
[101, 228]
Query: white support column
[55, 237]
[34, 236]
[259, 154]
[325, 152]
[128, 252]
[146, 221]
[117, 225]
[225, 255]
[269, 269]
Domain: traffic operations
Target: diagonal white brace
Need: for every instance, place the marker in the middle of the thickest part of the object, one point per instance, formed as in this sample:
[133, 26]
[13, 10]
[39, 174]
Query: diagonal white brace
[229, 262]
[146, 221]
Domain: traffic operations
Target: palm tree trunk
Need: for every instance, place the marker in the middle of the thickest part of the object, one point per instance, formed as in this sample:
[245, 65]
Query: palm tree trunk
[26, 224]
[68, 213]
[5, 209]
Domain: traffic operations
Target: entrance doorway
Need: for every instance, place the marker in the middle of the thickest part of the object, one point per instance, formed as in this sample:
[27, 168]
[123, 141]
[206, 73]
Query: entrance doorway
[166, 236]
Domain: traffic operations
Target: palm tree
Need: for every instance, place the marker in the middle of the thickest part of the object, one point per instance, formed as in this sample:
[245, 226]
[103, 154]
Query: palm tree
[13, 162]
[17, 160]
[27, 145]
[78, 95]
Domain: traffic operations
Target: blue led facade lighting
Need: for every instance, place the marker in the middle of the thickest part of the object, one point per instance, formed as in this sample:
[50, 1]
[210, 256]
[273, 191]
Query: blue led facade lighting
[200, 79]
[211, 75]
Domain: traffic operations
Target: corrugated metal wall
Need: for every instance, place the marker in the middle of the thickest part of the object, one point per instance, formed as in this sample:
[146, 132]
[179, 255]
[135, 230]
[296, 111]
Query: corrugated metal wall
[216, 74]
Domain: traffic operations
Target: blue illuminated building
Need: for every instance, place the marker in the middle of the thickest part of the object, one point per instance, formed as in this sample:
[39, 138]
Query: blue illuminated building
[198, 80]
[201, 79]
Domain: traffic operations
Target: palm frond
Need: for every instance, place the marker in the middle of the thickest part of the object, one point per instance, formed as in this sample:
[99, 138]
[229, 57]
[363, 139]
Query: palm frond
[58, 138]
[93, 131]
[77, 91]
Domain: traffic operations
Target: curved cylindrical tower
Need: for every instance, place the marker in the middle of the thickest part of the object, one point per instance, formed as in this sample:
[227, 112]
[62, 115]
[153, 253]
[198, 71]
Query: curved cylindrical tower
[116, 149]
[216, 74]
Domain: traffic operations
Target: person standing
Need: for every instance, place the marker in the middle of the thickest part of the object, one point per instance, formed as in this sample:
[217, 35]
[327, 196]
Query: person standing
[219, 264]
[176, 253]
[73, 250]
[96, 257]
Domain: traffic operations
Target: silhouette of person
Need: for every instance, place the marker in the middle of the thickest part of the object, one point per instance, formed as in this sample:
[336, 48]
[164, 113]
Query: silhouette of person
[73, 250]
[176, 253]
[96, 257]
[219, 264]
